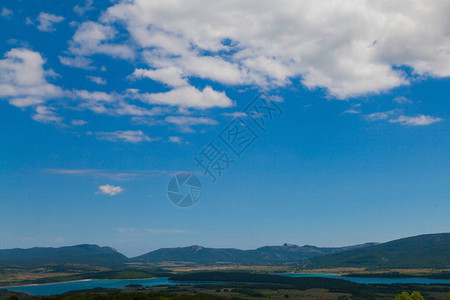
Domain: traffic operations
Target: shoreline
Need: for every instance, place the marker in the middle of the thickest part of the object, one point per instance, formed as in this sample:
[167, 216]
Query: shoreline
[36, 284]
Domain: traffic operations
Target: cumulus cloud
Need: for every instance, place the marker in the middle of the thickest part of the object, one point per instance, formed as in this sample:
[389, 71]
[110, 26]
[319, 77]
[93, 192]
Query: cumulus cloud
[110, 190]
[350, 48]
[419, 120]
[94, 38]
[46, 21]
[23, 78]
[189, 96]
[128, 136]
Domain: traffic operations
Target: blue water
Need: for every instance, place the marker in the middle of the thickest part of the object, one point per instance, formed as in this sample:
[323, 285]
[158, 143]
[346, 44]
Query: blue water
[372, 280]
[60, 288]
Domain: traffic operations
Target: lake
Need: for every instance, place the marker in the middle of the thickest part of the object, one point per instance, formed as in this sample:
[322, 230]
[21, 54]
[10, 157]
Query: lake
[60, 288]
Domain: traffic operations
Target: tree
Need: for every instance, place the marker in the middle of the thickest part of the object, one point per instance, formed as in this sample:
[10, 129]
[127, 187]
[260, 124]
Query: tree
[407, 296]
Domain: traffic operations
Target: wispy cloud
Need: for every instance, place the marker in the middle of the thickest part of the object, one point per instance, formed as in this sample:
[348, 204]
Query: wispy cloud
[46, 114]
[110, 190]
[112, 175]
[78, 122]
[185, 123]
[235, 114]
[379, 115]
[159, 231]
[143, 231]
[351, 111]
[128, 136]
[402, 100]
[419, 120]
[6, 13]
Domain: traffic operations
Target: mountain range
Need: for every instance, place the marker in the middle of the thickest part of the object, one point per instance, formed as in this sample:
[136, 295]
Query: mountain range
[430, 251]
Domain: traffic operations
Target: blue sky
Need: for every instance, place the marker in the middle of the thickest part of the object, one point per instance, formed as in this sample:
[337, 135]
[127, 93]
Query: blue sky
[101, 105]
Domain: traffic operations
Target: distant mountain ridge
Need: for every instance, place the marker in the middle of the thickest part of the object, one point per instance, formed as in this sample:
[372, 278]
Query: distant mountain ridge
[264, 255]
[422, 251]
[78, 254]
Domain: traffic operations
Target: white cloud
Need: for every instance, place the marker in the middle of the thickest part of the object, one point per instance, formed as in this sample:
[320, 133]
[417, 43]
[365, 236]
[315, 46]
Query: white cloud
[350, 47]
[46, 115]
[110, 190]
[77, 62]
[379, 115]
[157, 231]
[175, 139]
[46, 21]
[419, 120]
[402, 99]
[94, 38]
[141, 231]
[78, 122]
[82, 9]
[25, 101]
[128, 136]
[171, 76]
[235, 114]
[22, 76]
[189, 96]
[185, 123]
[112, 104]
[6, 13]
[97, 80]
[189, 121]
[94, 96]
[352, 111]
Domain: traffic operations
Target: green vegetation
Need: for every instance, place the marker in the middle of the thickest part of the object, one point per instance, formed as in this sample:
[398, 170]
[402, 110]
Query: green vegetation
[407, 296]
[255, 282]
[437, 275]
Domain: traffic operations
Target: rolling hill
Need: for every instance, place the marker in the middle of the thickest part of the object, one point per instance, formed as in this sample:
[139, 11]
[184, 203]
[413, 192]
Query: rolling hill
[423, 251]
